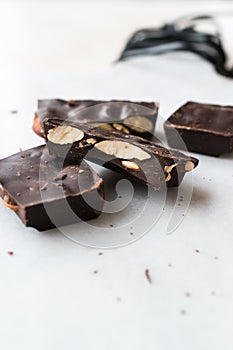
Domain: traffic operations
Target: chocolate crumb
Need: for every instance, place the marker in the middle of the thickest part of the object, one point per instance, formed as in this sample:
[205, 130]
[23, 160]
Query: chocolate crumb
[28, 177]
[131, 233]
[14, 111]
[95, 272]
[147, 274]
[10, 252]
[100, 253]
[111, 225]
[44, 187]
[183, 312]
[197, 251]
[60, 177]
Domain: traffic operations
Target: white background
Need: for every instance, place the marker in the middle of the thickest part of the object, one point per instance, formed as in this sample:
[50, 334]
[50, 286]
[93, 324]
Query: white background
[49, 296]
[83, 35]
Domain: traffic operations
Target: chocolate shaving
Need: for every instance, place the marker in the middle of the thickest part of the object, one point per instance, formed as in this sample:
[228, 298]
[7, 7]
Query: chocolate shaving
[44, 187]
[147, 274]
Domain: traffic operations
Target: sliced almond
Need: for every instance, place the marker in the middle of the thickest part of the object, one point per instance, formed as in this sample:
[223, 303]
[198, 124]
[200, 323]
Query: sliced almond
[91, 141]
[139, 124]
[121, 128]
[189, 165]
[64, 134]
[168, 168]
[102, 126]
[130, 165]
[168, 177]
[121, 149]
[9, 205]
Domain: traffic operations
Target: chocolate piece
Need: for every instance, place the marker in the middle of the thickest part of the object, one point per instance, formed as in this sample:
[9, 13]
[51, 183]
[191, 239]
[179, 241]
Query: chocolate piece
[129, 155]
[136, 118]
[204, 128]
[44, 194]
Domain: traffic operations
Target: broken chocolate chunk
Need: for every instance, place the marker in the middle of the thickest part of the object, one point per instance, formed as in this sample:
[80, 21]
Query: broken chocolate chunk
[131, 156]
[128, 117]
[43, 204]
[201, 128]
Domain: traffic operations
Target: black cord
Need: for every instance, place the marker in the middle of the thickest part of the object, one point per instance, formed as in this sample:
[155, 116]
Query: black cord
[170, 37]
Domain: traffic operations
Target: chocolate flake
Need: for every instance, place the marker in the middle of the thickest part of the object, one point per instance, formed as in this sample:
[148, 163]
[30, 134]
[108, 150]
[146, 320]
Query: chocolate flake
[60, 177]
[183, 312]
[44, 187]
[147, 274]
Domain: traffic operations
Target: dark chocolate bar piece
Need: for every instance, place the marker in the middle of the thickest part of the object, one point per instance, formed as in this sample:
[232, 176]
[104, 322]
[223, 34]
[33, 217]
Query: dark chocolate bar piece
[129, 155]
[203, 128]
[136, 118]
[44, 194]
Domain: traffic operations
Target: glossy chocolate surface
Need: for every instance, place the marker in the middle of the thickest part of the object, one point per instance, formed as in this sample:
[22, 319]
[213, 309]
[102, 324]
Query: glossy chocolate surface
[204, 128]
[159, 166]
[100, 112]
[44, 193]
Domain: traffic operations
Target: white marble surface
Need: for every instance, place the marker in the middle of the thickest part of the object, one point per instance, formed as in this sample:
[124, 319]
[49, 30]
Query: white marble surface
[50, 297]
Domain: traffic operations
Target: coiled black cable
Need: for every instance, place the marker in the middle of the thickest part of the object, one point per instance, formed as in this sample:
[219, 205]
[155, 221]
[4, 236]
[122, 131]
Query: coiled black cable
[174, 37]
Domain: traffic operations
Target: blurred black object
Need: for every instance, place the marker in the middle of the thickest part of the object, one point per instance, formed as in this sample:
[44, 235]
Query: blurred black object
[181, 35]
